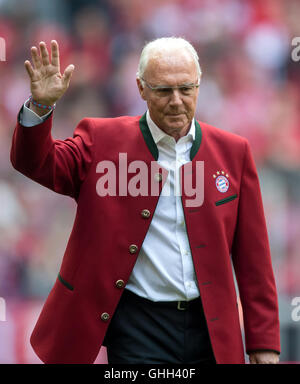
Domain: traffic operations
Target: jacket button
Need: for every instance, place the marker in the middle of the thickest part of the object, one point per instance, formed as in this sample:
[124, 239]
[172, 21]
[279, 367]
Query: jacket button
[133, 248]
[158, 177]
[105, 316]
[145, 213]
[120, 284]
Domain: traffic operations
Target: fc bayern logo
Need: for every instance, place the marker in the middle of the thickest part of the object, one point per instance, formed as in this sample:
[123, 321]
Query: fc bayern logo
[222, 184]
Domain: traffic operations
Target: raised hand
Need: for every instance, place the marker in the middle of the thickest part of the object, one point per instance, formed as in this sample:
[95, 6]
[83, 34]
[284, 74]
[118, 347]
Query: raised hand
[47, 84]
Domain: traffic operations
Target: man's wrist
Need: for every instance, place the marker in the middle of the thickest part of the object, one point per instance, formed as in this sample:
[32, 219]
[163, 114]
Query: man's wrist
[39, 111]
[29, 118]
[39, 108]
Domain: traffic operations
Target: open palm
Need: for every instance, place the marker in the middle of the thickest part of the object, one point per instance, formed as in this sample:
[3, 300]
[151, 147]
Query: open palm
[46, 82]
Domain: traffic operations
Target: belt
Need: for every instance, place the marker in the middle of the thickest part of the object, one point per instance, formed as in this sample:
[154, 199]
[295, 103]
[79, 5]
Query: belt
[180, 305]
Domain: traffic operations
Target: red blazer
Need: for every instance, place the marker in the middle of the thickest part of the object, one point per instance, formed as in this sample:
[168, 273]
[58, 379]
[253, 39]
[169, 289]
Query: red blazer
[227, 229]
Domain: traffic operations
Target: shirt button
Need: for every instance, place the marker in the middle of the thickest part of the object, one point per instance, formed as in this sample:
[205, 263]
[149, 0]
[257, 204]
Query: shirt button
[145, 213]
[120, 284]
[133, 248]
[105, 316]
[158, 177]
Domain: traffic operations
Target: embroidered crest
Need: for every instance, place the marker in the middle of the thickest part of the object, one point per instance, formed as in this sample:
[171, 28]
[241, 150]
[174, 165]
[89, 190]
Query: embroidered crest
[222, 182]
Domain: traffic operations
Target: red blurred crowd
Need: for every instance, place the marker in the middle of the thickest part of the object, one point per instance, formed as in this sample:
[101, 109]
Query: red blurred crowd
[250, 86]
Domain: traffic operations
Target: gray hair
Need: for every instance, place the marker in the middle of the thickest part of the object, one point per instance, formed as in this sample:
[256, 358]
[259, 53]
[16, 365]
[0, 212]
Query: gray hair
[165, 45]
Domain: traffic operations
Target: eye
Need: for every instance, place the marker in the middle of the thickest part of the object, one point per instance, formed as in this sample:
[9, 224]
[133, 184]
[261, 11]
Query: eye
[163, 91]
[186, 90]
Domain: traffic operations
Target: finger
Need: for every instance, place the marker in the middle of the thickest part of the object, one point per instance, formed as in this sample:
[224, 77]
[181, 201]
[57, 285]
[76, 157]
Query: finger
[44, 53]
[54, 53]
[67, 74]
[29, 69]
[36, 59]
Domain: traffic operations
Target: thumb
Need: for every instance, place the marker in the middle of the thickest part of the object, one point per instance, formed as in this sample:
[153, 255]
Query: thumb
[68, 74]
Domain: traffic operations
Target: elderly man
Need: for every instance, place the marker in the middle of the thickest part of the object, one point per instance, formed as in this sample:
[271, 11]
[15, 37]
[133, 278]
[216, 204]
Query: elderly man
[148, 270]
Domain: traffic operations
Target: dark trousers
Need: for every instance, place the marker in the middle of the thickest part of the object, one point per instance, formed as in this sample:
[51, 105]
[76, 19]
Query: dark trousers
[146, 332]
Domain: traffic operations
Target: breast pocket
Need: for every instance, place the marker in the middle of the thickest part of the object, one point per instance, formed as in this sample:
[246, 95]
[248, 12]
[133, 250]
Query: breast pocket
[65, 283]
[226, 200]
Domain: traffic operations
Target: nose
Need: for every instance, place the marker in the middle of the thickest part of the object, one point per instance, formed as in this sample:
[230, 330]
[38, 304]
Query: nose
[175, 98]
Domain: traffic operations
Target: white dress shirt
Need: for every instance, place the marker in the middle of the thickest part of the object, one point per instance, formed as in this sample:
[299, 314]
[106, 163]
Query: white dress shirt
[164, 269]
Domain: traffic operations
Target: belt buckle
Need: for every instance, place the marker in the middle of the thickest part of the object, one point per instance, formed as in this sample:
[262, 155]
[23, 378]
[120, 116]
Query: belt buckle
[179, 307]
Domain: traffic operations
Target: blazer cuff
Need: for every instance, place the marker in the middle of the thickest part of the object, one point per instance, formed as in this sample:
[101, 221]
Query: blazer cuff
[28, 118]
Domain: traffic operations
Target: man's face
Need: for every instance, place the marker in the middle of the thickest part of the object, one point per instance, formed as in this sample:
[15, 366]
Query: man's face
[173, 110]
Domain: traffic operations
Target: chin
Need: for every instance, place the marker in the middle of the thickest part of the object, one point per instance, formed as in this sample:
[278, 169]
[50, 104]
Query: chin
[176, 125]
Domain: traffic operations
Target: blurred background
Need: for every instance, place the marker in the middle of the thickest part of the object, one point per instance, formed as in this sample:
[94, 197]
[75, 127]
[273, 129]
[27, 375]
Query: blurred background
[250, 86]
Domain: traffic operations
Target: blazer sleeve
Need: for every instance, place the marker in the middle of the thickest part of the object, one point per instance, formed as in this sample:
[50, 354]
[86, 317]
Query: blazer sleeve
[60, 165]
[252, 264]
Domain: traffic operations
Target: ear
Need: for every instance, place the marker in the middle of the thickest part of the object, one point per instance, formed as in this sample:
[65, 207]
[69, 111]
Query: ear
[141, 89]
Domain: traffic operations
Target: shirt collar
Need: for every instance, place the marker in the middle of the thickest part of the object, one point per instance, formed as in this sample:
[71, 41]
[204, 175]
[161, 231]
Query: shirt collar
[158, 134]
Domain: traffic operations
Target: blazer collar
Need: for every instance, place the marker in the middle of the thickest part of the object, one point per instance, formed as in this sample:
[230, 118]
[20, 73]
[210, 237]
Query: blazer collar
[158, 134]
[151, 138]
